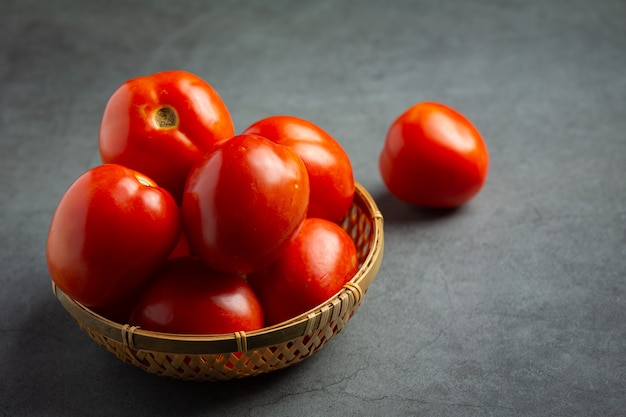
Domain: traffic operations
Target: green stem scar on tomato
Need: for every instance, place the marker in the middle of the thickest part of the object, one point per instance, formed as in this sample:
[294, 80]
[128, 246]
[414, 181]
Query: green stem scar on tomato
[166, 117]
[144, 181]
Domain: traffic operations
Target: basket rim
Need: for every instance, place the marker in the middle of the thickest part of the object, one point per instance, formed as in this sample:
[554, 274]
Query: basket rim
[140, 339]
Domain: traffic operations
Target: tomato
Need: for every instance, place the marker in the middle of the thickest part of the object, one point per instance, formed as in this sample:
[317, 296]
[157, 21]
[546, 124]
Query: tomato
[328, 165]
[315, 266]
[111, 230]
[160, 124]
[187, 297]
[244, 202]
[434, 157]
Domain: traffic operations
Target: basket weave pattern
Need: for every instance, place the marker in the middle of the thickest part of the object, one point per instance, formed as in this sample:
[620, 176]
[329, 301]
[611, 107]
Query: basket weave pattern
[238, 355]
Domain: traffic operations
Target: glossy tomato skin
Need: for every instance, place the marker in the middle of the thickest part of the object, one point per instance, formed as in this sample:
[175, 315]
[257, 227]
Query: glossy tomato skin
[187, 297]
[434, 157]
[160, 124]
[315, 266]
[329, 167]
[244, 202]
[111, 230]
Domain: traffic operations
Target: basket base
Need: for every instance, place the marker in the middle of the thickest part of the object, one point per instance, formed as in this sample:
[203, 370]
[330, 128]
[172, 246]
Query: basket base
[222, 366]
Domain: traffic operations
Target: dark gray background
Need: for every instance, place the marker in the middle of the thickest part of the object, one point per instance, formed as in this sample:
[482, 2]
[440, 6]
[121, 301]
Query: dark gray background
[514, 305]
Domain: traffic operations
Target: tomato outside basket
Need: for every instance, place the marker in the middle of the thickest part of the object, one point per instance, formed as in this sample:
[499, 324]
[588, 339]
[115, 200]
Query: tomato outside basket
[243, 354]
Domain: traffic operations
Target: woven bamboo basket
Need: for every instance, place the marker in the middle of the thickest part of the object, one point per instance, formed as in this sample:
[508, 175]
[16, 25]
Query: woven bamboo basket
[243, 354]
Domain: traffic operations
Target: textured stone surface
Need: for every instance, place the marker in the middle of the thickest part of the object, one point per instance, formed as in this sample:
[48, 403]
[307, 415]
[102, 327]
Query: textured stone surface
[514, 305]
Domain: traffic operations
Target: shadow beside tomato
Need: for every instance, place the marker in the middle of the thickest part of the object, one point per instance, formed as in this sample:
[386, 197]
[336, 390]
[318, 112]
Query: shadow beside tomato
[398, 212]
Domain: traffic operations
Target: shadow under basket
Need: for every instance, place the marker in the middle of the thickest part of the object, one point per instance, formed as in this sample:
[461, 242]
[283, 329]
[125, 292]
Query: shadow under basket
[243, 354]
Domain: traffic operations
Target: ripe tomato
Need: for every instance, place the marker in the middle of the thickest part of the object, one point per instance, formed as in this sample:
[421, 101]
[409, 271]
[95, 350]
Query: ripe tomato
[111, 230]
[433, 157]
[187, 297]
[161, 124]
[244, 202]
[328, 165]
[319, 261]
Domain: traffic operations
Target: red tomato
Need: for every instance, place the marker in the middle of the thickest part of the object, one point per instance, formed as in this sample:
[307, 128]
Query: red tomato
[244, 202]
[434, 157]
[111, 230]
[187, 297]
[161, 124]
[320, 260]
[328, 165]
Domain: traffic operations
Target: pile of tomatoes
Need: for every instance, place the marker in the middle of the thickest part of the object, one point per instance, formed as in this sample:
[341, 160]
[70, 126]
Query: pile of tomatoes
[187, 227]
